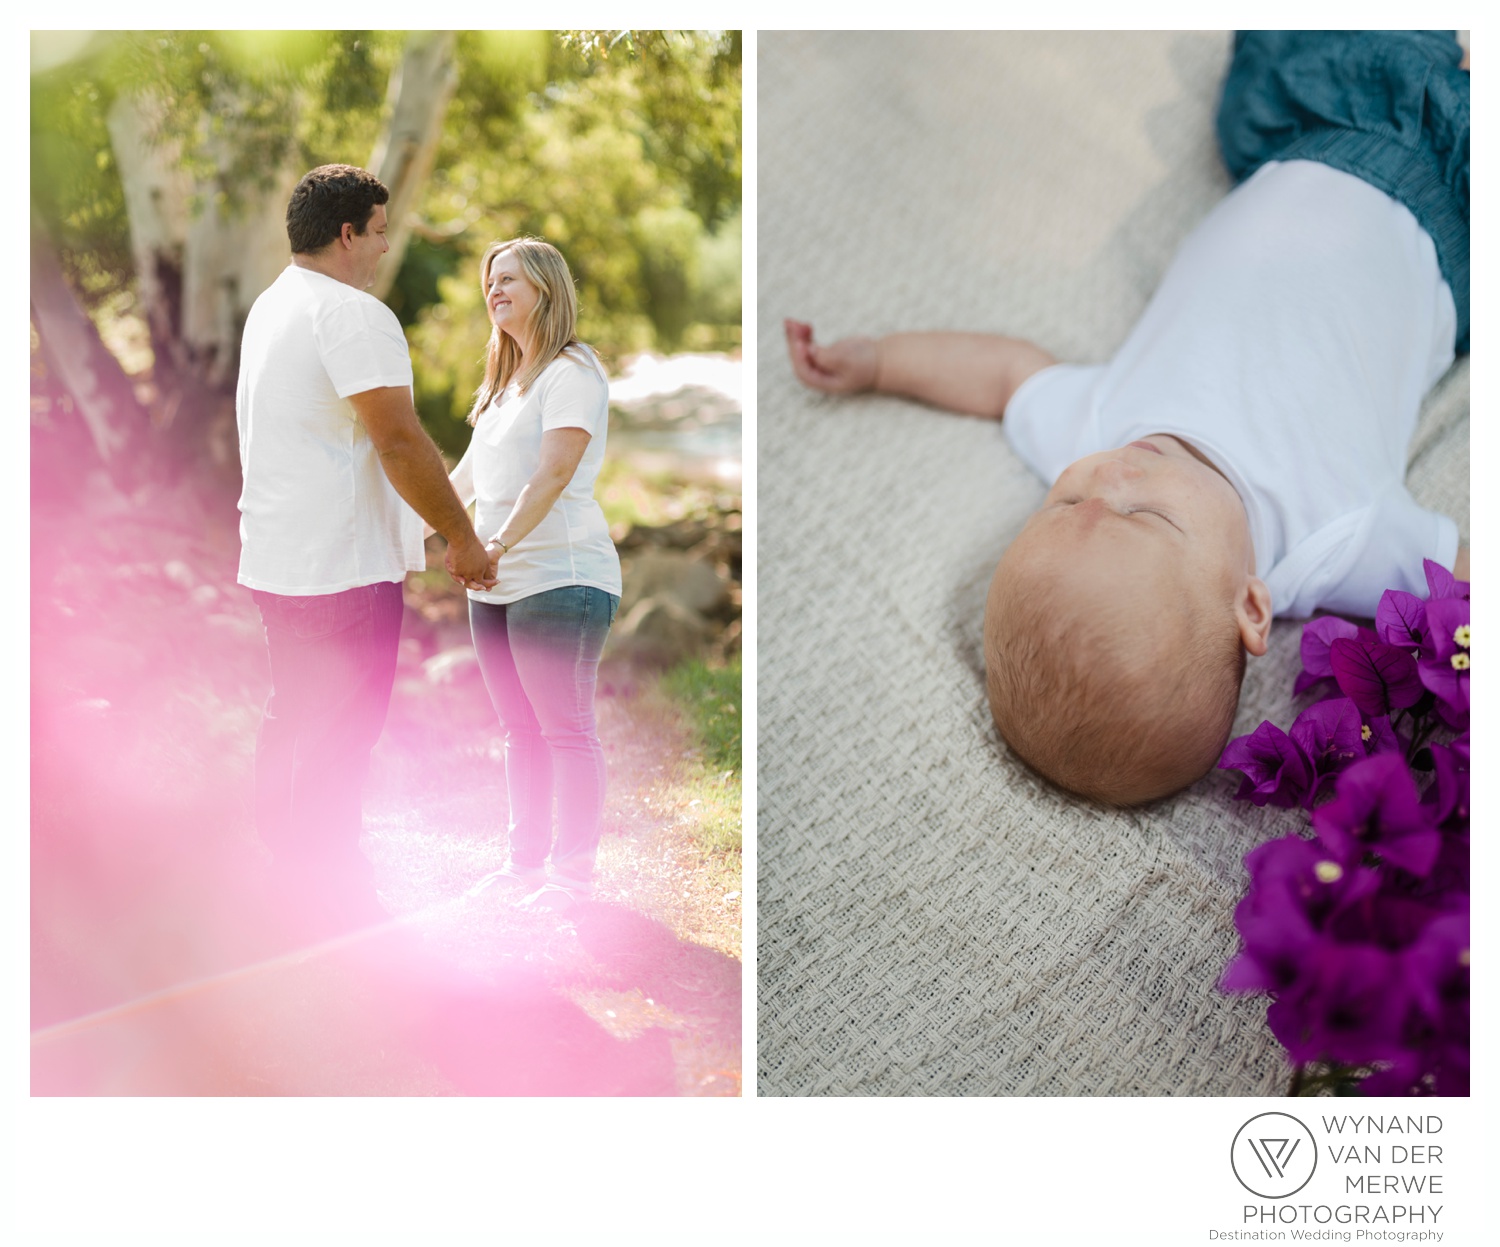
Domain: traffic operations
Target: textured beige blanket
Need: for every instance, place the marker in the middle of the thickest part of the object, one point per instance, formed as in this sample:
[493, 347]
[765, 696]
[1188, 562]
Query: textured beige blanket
[931, 919]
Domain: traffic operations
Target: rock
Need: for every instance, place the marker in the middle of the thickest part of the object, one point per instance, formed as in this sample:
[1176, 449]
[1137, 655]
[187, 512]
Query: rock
[659, 631]
[692, 583]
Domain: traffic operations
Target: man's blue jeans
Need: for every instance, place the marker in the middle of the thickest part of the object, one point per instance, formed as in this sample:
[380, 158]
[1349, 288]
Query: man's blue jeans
[540, 659]
[333, 661]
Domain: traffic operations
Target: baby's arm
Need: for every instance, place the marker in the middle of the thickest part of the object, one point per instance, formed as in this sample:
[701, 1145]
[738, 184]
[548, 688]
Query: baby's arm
[1461, 564]
[971, 373]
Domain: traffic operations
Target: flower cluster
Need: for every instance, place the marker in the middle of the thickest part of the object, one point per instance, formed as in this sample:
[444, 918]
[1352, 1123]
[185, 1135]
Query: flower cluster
[1361, 933]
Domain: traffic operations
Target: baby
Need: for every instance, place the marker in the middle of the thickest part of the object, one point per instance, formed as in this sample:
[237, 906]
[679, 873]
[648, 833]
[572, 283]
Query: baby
[1243, 454]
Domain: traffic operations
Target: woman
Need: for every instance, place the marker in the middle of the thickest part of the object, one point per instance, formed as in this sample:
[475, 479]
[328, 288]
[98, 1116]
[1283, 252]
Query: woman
[539, 422]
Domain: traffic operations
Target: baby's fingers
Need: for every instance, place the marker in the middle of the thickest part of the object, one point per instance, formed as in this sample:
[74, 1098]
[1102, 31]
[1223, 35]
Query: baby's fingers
[800, 349]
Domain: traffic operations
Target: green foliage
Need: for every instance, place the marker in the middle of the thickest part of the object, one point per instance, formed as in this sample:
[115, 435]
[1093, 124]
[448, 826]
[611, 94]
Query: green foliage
[562, 143]
[241, 104]
[75, 186]
[691, 100]
[418, 285]
[717, 295]
[711, 697]
[237, 105]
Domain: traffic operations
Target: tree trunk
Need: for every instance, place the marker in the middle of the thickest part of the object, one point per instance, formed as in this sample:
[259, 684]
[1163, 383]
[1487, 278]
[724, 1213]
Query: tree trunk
[157, 197]
[204, 251]
[418, 95]
[198, 271]
[116, 421]
[236, 247]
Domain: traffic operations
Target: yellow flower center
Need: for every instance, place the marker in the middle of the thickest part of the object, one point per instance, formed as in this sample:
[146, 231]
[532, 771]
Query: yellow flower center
[1460, 662]
[1328, 872]
[1364, 731]
[1461, 635]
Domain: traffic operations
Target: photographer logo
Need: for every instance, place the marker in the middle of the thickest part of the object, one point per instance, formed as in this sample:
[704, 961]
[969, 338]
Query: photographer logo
[1273, 1155]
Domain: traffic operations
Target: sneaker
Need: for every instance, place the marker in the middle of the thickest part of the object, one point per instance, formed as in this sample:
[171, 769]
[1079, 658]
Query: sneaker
[510, 878]
[551, 897]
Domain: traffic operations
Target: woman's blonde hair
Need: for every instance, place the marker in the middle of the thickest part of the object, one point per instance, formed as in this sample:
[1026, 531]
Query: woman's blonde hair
[551, 325]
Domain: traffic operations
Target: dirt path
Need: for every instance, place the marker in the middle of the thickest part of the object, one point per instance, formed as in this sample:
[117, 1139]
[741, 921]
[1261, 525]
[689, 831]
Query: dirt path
[159, 962]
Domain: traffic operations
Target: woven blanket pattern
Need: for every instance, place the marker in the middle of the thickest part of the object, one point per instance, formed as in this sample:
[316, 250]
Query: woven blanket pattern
[932, 920]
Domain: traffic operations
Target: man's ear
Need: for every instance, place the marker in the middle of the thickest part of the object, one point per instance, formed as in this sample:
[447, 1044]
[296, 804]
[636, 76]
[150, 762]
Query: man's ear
[1252, 610]
[346, 234]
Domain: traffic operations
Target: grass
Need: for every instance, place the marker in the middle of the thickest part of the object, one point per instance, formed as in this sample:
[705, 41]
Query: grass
[675, 800]
[710, 697]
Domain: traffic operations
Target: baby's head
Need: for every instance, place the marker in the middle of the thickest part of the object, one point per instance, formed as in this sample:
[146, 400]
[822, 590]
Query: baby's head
[1118, 622]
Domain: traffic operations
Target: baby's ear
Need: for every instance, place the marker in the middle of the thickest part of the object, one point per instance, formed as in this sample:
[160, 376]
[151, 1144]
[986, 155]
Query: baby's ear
[1253, 611]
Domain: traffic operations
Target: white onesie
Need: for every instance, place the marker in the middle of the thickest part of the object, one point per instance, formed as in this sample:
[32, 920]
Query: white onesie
[1291, 342]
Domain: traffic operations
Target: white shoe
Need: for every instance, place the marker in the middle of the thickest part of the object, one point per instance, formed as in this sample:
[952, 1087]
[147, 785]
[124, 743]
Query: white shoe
[553, 897]
[510, 878]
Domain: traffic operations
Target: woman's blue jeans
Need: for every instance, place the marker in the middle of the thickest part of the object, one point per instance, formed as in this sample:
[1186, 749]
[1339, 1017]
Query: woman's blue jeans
[540, 660]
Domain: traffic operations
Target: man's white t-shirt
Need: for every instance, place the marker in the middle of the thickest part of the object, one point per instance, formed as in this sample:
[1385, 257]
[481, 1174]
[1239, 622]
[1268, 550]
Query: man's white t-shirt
[572, 545]
[1291, 342]
[317, 514]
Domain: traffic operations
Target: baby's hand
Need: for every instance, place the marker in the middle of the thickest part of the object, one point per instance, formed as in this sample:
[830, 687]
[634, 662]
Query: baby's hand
[844, 367]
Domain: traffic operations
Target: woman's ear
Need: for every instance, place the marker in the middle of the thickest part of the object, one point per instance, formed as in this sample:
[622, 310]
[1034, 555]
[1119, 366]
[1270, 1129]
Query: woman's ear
[1252, 610]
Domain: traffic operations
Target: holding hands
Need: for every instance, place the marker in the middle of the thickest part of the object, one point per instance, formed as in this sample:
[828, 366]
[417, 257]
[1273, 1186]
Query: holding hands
[848, 366]
[471, 564]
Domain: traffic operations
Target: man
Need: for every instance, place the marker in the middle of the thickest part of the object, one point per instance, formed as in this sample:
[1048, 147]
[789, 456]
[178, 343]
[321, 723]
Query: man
[337, 469]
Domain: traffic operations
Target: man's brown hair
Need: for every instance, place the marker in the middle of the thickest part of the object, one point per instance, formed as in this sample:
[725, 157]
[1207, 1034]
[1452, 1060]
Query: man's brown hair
[327, 197]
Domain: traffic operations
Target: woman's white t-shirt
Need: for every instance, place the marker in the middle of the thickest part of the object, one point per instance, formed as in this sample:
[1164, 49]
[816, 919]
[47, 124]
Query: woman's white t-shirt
[571, 545]
[1291, 341]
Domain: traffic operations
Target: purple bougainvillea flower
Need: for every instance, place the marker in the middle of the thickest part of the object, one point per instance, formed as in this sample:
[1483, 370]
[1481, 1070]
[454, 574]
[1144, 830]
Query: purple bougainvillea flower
[1376, 809]
[1377, 677]
[1360, 934]
[1435, 1031]
[1454, 714]
[1330, 735]
[1438, 967]
[1276, 771]
[1448, 796]
[1295, 890]
[1275, 961]
[1401, 619]
[1296, 885]
[1380, 736]
[1348, 1007]
[1447, 629]
[1440, 582]
[1317, 635]
[1442, 890]
[1450, 877]
[1394, 915]
[1444, 665]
